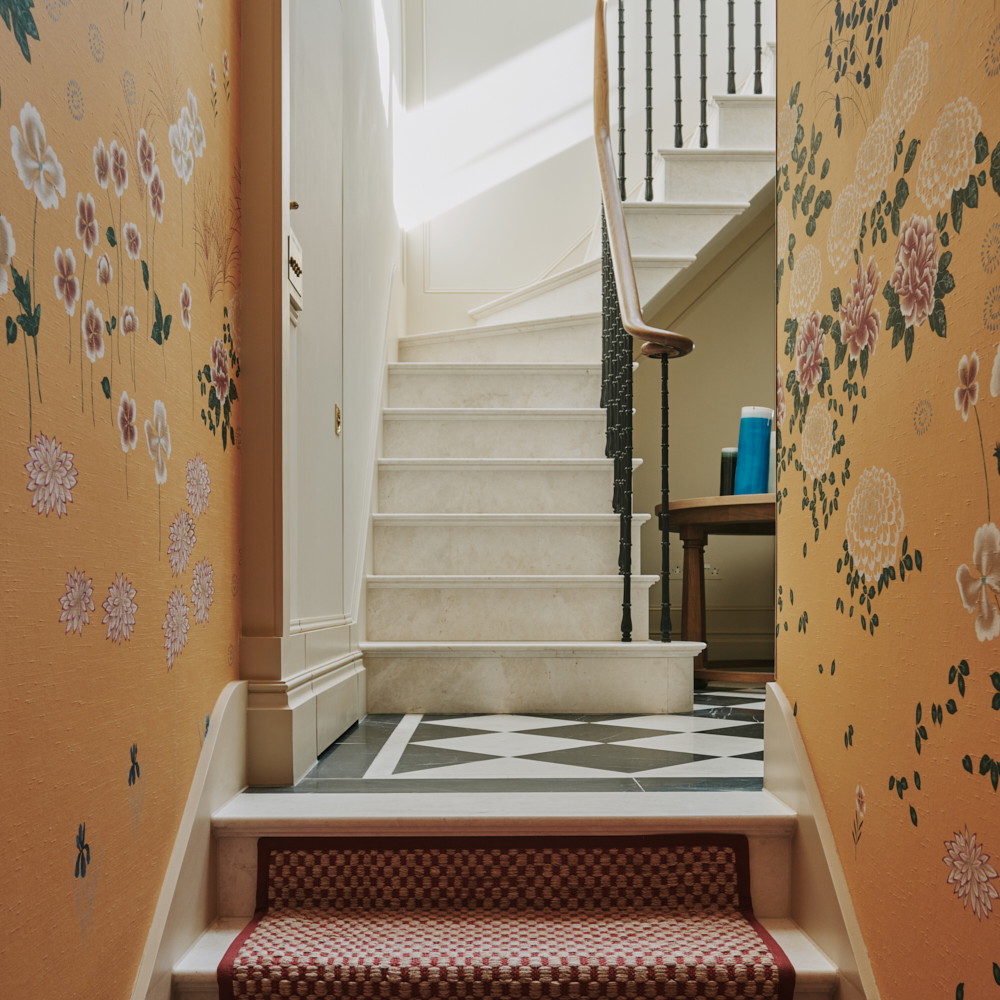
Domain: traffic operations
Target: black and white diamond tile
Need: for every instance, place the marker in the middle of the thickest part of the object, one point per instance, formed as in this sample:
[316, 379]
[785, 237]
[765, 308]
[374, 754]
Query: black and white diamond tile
[717, 746]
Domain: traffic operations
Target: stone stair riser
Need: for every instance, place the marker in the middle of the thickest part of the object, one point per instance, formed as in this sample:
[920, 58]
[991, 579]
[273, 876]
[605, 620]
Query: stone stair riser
[467, 434]
[672, 230]
[514, 612]
[499, 548]
[489, 684]
[580, 341]
[542, 488]
[467, 386]
[686, 176]
[746, 122]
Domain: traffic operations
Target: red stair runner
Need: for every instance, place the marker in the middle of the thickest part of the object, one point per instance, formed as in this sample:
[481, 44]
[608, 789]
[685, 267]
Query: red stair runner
[545, 918]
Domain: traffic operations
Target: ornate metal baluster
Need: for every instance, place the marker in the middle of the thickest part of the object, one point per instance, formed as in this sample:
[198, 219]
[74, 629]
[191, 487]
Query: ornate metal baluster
[678, 132]
[665, 625]
[621, 98]
[703, 136]
[731, 87]
[649, 100]
[757, 87]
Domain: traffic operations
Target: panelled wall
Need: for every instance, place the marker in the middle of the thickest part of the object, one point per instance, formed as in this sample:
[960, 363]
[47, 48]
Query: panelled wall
[121, 400]
[888, 377]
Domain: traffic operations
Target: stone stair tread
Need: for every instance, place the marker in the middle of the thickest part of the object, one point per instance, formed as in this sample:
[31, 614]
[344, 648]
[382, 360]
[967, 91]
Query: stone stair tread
[504, 463]
[485, 412]
[502, 518]
[574, 648]
[483, 580]
[494, 367]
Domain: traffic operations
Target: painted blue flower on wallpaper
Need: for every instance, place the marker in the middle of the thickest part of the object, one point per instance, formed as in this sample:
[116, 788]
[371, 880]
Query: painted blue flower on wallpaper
[134, 771]
[82, 852]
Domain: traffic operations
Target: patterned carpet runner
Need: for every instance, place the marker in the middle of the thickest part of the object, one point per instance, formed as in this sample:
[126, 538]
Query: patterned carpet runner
[531, 918]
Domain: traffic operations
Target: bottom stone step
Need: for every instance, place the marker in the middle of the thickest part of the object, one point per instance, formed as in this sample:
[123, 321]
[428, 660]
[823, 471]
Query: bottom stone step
[504, 608]
[650, 678]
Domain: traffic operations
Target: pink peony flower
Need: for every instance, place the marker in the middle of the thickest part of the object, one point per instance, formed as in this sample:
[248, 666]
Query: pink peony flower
[915, 269]
[220, 369]
[186, 305]
[780, 410]
[859, 322]
[809, 353]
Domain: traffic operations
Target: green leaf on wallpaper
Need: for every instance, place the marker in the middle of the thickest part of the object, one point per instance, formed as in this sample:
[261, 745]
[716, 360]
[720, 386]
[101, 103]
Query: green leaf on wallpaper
[110, 237]
[166, 326]
[937, 321]
[106, 387]
[908, 342]
[995, 168]
[951, 707]
[836, 299]
[913, 816]
[967, 763]
[145, 274]
[156, 333]
[960, 991]
[982, 148]
[11, 331]
[996, 973]
[902, 193]
[918, 559]
[911, 153]
[956, 210]
[17, 16]
[794, 96]
[863, 361]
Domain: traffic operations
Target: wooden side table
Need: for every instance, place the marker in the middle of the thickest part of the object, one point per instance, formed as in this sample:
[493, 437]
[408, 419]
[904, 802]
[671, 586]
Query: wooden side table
[694, 520]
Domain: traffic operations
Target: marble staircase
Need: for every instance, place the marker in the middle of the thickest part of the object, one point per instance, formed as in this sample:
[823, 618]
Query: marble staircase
[494, 566]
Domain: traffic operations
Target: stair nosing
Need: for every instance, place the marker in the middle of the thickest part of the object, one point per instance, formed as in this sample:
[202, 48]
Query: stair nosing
[515, 648]
[715, 152]
[492, 412]
[493, 367]
[686, 208]
[523, 580]
[505, 518]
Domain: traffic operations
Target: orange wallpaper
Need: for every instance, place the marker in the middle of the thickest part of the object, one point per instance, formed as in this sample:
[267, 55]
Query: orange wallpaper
[888, 385]
[119, 456]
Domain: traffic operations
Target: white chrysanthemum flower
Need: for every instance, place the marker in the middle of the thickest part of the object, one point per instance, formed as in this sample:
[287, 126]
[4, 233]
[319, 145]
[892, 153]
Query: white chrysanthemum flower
[77, 602]
[806, 280]
[971, 873]
[817, 441]
[182, 542]
[948, 156]
[199, 485]
[874, 523]
[202, 590]
[907, 84]
[51, 476]
[176, 626]
[120, 609]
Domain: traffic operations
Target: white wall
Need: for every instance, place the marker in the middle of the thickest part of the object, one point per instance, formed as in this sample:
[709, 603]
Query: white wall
[498, 181]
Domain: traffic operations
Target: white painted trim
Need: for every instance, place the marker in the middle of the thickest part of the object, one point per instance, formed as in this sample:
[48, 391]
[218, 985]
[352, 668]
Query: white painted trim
[821, 899]
[187, 901]
[370, 465]
[313, 624]
[286, 688]
[515, 650]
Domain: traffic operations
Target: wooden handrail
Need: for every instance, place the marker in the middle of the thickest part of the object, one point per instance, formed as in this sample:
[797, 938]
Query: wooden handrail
[656, 343]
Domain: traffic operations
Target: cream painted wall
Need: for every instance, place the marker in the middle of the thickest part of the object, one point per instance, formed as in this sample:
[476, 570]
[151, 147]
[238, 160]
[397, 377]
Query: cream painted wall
[732, 325]
[502, 97]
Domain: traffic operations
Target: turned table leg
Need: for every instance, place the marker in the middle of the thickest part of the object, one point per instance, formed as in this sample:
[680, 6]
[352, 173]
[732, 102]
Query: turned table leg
[693, 598]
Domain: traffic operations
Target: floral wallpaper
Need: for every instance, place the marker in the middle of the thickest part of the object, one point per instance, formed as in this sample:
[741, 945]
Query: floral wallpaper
[119, 456]
[888, 409]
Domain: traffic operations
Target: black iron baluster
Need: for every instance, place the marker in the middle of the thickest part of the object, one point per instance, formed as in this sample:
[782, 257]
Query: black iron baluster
[678, 132]
[757, 87]
[703, 139]
[617, 400]
[621, 98]
[649, 100]
[731, 88]
[665, 625]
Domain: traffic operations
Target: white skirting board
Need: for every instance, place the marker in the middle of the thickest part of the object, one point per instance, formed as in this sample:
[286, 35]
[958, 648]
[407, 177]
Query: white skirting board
[821, 900]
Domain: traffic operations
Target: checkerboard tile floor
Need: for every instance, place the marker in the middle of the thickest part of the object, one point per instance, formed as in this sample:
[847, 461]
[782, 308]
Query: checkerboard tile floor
[717, 746]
